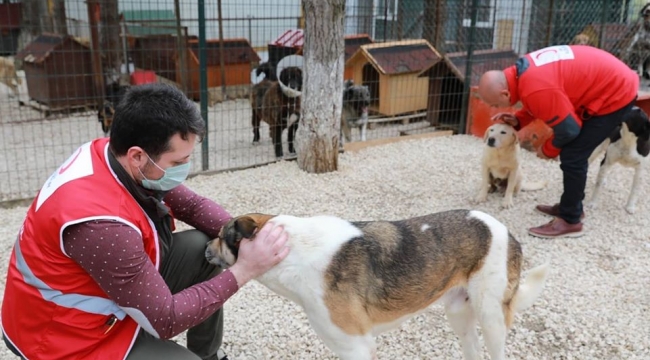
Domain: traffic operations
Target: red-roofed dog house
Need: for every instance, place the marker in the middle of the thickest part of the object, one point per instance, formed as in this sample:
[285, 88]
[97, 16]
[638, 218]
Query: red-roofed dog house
[390, 70]
[291, 42]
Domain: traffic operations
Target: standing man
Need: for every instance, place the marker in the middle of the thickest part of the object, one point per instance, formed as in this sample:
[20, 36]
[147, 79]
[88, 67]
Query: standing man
[581, 92]
[97, 271]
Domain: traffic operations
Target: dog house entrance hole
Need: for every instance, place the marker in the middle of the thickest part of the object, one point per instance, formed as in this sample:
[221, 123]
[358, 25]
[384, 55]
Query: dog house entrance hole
[371, 79]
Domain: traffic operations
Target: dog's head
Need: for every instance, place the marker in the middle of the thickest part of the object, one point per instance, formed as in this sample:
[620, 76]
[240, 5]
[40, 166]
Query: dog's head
[291, 81]
[500, 135]
[580, 39]
[636, 127]
[267, 69]
[356, 96]
[223, 250]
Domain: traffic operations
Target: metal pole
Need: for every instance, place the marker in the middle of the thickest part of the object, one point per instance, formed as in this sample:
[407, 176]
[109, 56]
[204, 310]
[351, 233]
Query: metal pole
[549, 24]
[181, 48]
[221, 55]
[603, 19]
[468, 68]
[98, 74]
[203, 83]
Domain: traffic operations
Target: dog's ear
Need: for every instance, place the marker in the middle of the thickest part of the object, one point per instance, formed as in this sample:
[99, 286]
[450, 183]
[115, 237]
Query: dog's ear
[348, 83]
[246, 226]
[485, 136]
[516, 136]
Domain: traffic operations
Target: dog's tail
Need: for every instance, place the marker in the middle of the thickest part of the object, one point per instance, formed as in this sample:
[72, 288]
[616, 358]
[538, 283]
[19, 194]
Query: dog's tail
[531, 288]
[533, 185]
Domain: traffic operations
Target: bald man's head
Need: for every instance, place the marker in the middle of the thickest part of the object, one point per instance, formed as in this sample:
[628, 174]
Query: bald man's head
[493, 89]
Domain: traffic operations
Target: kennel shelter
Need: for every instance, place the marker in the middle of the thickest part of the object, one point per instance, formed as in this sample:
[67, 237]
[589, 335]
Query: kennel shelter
[446, 82]
[58, 70]
[390, 70]
[239, 58]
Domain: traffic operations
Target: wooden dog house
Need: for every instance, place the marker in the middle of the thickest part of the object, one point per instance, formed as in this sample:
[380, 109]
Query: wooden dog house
[291, 42]
[238, 58]
[352, 44]
[446, 81]
[390, 70]
[159, 53]
[58, 70]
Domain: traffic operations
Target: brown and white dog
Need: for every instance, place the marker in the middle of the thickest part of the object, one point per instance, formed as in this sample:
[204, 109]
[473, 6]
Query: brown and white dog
[629, 146]
[501, 165]
[8, 75]
[355, 280]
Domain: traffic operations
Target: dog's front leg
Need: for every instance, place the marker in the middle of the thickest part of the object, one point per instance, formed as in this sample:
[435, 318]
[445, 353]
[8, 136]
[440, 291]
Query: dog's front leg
[276, 137]
[513, 178]
[362, 129]
[634, 191]
[485, 184]
[292, 134]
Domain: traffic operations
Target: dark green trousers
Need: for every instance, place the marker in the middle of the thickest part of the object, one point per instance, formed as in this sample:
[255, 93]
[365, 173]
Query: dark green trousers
[183, 265]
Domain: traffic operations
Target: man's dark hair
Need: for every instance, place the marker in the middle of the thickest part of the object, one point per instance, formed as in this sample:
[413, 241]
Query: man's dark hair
[149, 115]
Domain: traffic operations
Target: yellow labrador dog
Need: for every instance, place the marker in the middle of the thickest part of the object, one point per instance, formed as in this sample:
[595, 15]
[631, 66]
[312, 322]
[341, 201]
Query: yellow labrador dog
[8, 75]
[500, 166]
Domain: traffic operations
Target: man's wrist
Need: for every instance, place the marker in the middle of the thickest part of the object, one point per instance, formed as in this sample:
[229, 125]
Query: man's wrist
[242, 276]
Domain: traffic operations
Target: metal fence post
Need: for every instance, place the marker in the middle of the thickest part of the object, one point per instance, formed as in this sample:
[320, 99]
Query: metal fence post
[603, 19]
[203, 83]
[468, 69]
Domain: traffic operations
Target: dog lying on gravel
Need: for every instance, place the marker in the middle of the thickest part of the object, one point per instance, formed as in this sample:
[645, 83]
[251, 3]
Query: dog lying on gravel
[355, 280]
[628, 145]
[500, 166]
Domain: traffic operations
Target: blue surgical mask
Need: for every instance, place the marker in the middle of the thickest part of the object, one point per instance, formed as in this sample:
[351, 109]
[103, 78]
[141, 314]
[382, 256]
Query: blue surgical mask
[171, 178]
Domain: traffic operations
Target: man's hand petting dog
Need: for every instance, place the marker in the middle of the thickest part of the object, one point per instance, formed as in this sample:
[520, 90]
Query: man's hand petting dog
[506, 118]
[261, 254]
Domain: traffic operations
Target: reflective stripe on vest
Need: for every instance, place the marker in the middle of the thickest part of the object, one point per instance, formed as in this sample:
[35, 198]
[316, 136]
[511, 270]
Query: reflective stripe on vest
[85, 303]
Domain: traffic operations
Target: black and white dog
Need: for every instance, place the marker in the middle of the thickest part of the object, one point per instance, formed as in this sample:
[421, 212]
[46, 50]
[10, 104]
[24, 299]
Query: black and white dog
[629, 146]
[637, 54]
[356, 99]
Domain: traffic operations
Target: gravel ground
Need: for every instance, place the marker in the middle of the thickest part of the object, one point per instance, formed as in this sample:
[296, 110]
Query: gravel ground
[596, 303]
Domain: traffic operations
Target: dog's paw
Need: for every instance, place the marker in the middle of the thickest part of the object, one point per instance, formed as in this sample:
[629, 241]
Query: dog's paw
[591, 205]
[480, 198]
[631, 209]
[507, 203]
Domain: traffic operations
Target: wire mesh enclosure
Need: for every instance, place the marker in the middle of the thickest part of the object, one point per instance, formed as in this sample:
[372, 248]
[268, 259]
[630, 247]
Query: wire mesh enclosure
[411, 65]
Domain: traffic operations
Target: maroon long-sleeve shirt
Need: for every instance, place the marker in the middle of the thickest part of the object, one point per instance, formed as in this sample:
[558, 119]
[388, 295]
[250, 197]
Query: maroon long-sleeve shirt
[113, 254]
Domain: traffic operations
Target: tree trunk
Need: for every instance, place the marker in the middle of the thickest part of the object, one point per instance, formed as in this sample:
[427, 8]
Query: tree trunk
[110, 39]
[317, 138]
[434, 23]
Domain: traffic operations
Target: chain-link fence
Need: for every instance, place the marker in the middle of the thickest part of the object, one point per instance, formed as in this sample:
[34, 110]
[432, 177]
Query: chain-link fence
[66, 64]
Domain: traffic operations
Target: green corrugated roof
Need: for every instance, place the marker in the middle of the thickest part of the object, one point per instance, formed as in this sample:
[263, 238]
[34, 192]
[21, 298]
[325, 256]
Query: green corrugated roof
[148, 22]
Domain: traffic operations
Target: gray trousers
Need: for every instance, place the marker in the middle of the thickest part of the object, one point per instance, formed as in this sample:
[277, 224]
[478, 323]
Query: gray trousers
[184, 265]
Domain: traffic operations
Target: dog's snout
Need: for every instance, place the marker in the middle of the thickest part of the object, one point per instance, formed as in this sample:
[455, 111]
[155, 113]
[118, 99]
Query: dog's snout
[491, 141]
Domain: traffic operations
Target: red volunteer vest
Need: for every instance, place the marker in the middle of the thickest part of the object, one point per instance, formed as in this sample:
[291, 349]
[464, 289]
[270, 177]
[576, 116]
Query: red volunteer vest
[52, 309]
